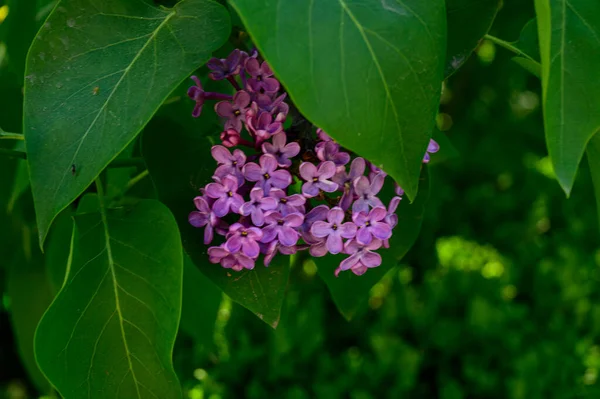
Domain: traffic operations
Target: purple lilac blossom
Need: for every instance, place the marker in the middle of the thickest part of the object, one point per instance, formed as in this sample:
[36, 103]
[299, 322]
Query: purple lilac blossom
[370, 225]
[361, 257]
[317, 178]
[261, 80]
[334, 230]
[234, 112]
[258, 107]
[287, 204]
[367, 193]
[245, 239]
[266, 175]
[330, 151]
[257, 205]
[281, 151]
[345, 181]
[282, 227]
[226, 196]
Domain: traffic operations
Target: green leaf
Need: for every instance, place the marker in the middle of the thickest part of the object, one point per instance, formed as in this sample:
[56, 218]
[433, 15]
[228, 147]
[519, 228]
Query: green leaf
[111, 329]
[368, 72]
[526, 48]
[200, 304]
[30, 295]
[96, 74]
[569, 36]
[593, 156]
[350, 291]
[468, 22]
[181, 165]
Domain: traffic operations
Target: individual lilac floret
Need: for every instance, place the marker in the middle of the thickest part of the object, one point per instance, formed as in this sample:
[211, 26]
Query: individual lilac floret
[198, 94]
[261, 80]
[323, 136]
[398, 190]
[391, 218]
[275, 107]
[334, 230]
[224, 68]
[204, 216]
[361, 257]
[235, 261]
[257, 205]
[318, 246]
[229, 164]
[370, 225]
[244, 238]
[432, 148]
[282, 227]
[317, 179]
[367, 193]
[345, 181]
[280, 150]
[226, 196]
[287, 204]
[266, 175]
[235, 111]
[330, 151]
[262, 125]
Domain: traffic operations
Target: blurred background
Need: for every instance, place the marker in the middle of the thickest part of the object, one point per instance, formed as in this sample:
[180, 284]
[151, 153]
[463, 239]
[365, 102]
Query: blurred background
[499, 298]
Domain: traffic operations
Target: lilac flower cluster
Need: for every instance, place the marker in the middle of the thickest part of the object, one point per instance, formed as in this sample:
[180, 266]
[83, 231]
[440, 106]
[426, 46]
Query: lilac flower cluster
[251, 202]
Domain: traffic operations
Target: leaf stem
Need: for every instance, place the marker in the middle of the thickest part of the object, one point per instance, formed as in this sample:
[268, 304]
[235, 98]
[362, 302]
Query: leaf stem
[136, 179]
[508, 46]
[11, 136]
[13, 153]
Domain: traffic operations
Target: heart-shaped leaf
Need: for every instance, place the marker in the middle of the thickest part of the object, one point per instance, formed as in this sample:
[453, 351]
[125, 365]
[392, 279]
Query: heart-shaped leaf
[96, 73]
[368, 72]
[111, 329]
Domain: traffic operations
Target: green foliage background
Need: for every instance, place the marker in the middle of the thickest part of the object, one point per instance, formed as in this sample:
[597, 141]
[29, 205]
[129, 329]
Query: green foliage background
[499, 298]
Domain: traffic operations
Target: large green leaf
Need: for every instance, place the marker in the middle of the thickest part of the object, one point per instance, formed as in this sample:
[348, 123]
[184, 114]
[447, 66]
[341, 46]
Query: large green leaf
[349, 291]
[181, 165]
[30, 295]
[368, 72]
[593, 155]
[111, 329]
[468, 22]
[96, 73]
[569, 36]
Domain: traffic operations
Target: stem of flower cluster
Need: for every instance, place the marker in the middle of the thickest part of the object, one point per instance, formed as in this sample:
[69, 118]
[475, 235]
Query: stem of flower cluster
[234, 83]
[211, 95]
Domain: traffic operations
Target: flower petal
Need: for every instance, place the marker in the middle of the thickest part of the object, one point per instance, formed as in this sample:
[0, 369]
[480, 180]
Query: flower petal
[221, 206]
[377, 214]
[281, 178]
[291, 149]
[377, 183]
[371, 259]
[293, 220]
[310, 189]
[250, 248]
[334, 243]
[336, 215]
[221, 155]
[198, 219]
[287, 236]
[350, 262]
[269, 233]
[257, 216]
[363, 236]
[357, 168]
[381, 230]
[308, 171]
[234, 243]
[268, 163]
[361, 185]
[327, 185]
[318, 250]
[208, 234]
[201, 204]
[326, 170]
[321, 229]
[252, 172]
[348, 230]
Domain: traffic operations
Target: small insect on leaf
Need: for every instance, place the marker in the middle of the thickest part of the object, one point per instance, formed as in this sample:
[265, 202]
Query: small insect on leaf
[73, 169]
[96, 90]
